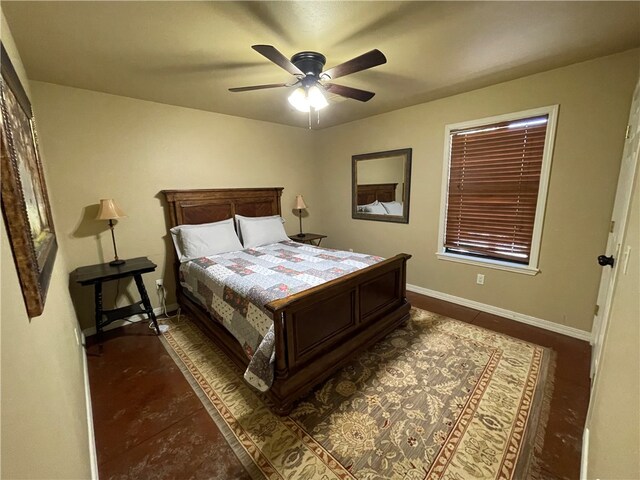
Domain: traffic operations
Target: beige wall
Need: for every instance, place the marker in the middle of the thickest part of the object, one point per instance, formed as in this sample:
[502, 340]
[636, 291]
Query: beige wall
[44, 419]
[594, 99]
[106, 146]
[614, 419]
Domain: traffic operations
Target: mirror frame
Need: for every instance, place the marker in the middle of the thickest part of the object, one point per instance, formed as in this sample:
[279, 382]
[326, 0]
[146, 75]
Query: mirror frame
[404, 218]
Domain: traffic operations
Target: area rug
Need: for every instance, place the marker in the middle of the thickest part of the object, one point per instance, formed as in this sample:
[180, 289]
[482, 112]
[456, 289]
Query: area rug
[436, 399]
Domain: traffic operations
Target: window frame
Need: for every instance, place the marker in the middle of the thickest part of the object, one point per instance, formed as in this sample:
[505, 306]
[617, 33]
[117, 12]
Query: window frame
[532, 267]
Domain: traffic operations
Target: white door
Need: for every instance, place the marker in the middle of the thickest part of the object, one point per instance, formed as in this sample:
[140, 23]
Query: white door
[613, 255]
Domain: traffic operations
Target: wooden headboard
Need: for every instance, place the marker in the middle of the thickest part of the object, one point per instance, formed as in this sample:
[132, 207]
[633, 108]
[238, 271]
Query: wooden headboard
[211, 205]
[383, 192]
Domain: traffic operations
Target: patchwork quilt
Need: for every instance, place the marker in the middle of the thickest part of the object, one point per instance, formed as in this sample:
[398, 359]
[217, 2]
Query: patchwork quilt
[234, 287]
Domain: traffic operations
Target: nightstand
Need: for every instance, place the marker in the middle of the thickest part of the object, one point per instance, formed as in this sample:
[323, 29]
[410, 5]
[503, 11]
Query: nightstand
[97, 274]
[309, 238]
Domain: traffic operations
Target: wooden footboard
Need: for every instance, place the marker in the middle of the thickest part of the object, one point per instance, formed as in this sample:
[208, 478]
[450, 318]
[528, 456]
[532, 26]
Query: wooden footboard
[320, 329]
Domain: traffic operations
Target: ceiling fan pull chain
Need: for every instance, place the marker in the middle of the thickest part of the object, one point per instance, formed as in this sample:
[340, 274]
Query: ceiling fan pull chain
[318, 119]
[309, 119]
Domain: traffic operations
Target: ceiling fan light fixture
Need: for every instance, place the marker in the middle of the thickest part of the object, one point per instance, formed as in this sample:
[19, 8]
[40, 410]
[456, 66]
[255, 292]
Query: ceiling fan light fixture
[298, 100]
[316, 98]
[305, 98]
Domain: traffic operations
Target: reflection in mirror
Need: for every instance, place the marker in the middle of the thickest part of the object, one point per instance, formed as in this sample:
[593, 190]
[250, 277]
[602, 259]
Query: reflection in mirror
[380, 186]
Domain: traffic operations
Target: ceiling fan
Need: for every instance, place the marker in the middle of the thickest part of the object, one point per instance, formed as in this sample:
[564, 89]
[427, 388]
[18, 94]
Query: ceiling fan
[311, 80]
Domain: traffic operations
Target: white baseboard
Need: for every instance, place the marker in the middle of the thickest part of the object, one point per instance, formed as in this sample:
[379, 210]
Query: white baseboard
[87, 332]
[93, 456]
[503, 312]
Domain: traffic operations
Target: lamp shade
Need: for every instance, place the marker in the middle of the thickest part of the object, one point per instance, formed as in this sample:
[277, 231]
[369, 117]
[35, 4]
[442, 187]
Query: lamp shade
[298, 100]
[109, 210]
[303, 99]
[300, 205]
[316, 99]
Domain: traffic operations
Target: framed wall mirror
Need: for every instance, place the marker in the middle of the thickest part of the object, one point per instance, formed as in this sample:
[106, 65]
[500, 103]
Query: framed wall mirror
[380, 186]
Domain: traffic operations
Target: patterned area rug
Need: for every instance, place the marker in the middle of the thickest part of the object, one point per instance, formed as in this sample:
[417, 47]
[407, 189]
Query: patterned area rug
[436, 399]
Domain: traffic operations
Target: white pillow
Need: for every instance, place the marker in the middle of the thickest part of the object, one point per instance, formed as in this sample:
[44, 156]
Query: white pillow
[392, 208]
[375, 208]
[195, 241]
[258, 231]
[362, 208]
[252, 219]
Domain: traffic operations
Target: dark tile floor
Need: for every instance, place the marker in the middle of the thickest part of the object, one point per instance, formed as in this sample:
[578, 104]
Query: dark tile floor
[149, 423]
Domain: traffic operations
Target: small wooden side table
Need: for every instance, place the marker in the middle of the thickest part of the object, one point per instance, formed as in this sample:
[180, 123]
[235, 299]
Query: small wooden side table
[309, 238]
[97, 274]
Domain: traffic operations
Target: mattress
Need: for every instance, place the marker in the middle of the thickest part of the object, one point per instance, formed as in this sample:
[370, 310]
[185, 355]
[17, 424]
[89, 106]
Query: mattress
[234, 287]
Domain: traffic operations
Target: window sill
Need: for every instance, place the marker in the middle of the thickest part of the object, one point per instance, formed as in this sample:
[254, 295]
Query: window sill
[497, 264]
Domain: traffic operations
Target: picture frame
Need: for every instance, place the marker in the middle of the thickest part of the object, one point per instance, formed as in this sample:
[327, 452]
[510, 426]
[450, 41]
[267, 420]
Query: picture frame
[25, 202]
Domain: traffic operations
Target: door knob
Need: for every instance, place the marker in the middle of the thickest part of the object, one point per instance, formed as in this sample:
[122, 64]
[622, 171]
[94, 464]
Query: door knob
[604, 260]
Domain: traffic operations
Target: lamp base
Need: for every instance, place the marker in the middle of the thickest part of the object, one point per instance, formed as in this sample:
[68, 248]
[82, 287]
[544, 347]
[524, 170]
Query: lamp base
[301, 235]
[115, 263]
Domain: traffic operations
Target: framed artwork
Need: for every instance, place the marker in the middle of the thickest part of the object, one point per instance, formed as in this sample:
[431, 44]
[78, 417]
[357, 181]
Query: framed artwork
[25, 203]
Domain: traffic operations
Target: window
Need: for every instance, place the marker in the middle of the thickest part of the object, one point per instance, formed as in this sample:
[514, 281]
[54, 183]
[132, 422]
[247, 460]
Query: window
[494, 189]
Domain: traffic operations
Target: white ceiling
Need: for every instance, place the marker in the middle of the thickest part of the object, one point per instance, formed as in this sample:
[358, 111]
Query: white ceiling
[190, 53]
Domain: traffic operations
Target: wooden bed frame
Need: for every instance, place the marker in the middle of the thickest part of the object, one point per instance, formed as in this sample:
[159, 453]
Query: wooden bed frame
[318, 330]
[383, 192]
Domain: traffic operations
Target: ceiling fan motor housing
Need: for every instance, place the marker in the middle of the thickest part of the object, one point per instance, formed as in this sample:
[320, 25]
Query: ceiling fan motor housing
[310, 63]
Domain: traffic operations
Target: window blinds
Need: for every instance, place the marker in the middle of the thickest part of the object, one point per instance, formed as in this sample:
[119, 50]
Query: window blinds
[494, 175]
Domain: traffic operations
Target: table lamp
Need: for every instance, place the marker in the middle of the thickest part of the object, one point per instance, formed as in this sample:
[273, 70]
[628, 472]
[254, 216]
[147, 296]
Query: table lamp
[300, 205]
[110, 210]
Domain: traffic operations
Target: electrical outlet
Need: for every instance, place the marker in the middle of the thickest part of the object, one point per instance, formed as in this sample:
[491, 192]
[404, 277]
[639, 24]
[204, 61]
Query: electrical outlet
[480, 279]
[159, 284]
[351, 249]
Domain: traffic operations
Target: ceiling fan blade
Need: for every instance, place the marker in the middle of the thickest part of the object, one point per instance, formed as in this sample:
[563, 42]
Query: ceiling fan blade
[349, 92]
[278, 58]
[366, 60]
[258, 87]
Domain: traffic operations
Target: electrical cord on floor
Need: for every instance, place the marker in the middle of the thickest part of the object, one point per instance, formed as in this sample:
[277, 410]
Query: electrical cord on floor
[162, 292]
